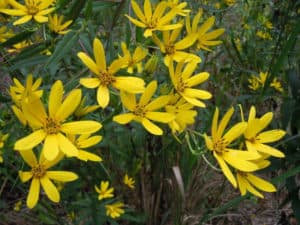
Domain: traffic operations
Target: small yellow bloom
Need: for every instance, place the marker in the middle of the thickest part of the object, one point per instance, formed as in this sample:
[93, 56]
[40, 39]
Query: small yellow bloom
[105, 76]
[184, 82]
[5, 33]
[248, 182]
[229, 2]
[220, 145]
[115, 210]
[33, 9]
[41, 176]
[83, 110]
[153, 21]
[18, 205]
[263, 35]
[179, 7]
[146, 110]
[276, 85]
[256, 140]
[104, 191]
[268, 25]
[3, 138]
[19, 46]
[57, 25]
[49, 128]
[129, 181]
[254, 83]
[130, 62]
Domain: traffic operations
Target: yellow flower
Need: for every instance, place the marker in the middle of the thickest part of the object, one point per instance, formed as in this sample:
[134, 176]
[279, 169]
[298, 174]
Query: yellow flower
[174, 50]
[248, 182]
[179, 7]
[153, 21]
[114, 210]
[135, 60]
[204, 38]
[3, 138]
[183, 111]
[18, 205]
[105, 75]
[268, 25]
[277, 85]
[83, 110]
[49, 128]
[40, 175]
[33, 9]
[220, 145]
[258, 82]
[229, 2]
[19, 46]
[184, 82]
[263, 35]
[129, 181]
[5, 34]
[256, 140]
[86, 141]
[145, 110]
[104, 191]
[254, 83]
[56, 24]
[3, 4]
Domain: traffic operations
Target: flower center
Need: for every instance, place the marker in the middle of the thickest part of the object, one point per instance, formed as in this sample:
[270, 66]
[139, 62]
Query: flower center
[139, 111]
[32, 7]
[220, 145]
[170, 49]
[151, 24]
[51, 126]
[106, 78]
[181, 86]
[38, 171]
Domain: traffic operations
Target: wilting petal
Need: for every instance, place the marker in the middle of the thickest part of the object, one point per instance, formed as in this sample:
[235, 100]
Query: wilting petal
[50, 189]
[34, 192]
[225, 169]
[151, 127]
[30, 140]
[81, 127]
[63, 176]
[124, 118]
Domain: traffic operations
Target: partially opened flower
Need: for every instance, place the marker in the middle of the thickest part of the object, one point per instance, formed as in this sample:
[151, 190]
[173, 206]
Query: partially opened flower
[145, 110]
[256, 140]
[115, 210]
[134, 60]
[58, 25]
[5, 33]
[220, 145]
[49, 128]
[178, 7]
[153, 21]
[105, 76]
[175, 50]
[104, 190]
[128, 181]
[33, 9]
[40, 175]
[184, 83]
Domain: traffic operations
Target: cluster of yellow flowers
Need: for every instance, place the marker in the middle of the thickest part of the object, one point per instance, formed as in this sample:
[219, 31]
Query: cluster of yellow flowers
[244, 162]
[258, 82]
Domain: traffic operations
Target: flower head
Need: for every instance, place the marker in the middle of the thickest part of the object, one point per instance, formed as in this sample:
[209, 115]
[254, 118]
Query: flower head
[105, 76]
[145, 110]
[131, 61]
[57, 25]
[256, 140]
[153, 21]
[104, 191]
[5, 33]
[3, 138]
[33, 9]
[114, 210]
[178, 7]
[129, 181]
[41, 176]
[49, 128]
[219, 143]
[184, 82]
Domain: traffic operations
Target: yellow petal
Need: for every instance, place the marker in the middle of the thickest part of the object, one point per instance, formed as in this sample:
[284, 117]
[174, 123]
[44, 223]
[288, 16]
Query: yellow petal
[66, 146]
[25, 176]
[81, 127]
[214, 126]
[148, 93]
[99, 54]
[234, 132]
[239, 163]
[162, 117]
[34, 112]
[88, 142]
[214, 34]
[50, 189]
[148, 9]
[265, 120]
[69, 105]
[269, 150]
[124, 118]
[260, 183]
[252, 113]
[136, 22]
[90, 82]
[85, 156]
[151, 127]
[129, 84]
[63, 176]
[88, 62]
[137, 10]
[40, 18]
[225, 169]
[50, 148]
[158, 103]
[103, 96]
[34, 192]
[197, 79]
[29, 157]
[196, 93]
[128, 100]
[244, 155]
[241, 183]
[206, 26]
[19, 114]
[55, 97]
[208, 142]
[224, 122]
[30, 140]
[251, 189]
[270, 136]
[22, 20]
[186, 42]
[194, 101]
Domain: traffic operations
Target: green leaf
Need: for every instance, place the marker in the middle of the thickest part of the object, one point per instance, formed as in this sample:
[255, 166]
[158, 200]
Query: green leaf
[63, 48]
[75, 10]
[27, 62]
[17, 38]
